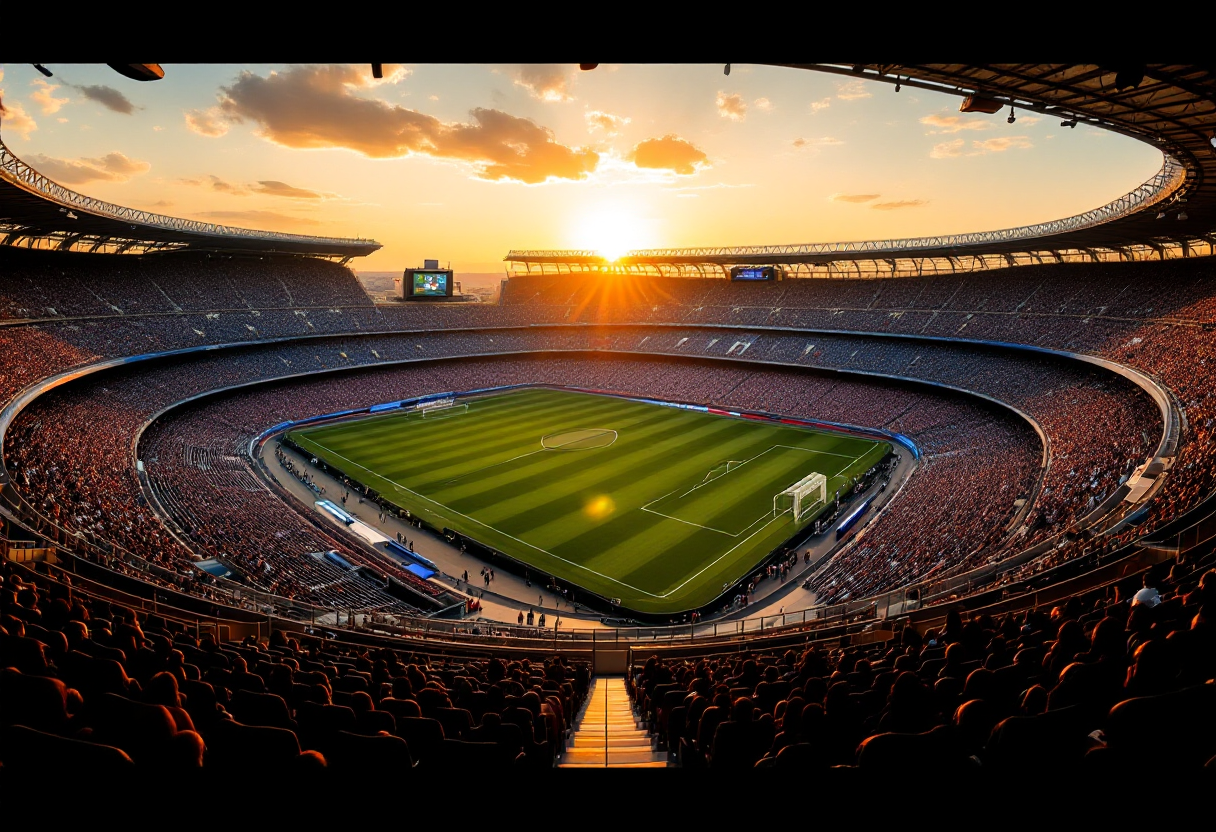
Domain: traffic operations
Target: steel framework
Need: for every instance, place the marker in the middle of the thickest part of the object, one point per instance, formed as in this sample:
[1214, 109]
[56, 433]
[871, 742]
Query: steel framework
[30, 197]
[1172, 214]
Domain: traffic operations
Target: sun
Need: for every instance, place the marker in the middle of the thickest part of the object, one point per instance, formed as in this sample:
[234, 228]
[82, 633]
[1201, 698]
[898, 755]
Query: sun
[613, 232]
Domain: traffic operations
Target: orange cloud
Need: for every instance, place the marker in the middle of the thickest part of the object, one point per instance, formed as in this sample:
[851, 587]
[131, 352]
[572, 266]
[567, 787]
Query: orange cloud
[998, 144]
[273, 187]
[210, 123]
[44, 96]
[821, 104]
[316, 107]
[902, 203]
[16, 119]
[1002, 143]
[953, 124]
[264, 219]
[732, 106]
[852, 90]
[854, 197]
[946, 150]
[548, 82]
[607, 122]
[268, 187]
[763, 104]
[113, 167]
[669, 153]
[822, 141]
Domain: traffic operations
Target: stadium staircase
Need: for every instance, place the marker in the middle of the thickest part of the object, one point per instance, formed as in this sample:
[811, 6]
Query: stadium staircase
[607, 733]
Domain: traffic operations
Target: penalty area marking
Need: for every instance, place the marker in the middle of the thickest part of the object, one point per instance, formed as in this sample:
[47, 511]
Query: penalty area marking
[448, 509]
[737, 465]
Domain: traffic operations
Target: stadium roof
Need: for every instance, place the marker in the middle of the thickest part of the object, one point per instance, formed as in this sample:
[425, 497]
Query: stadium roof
[1170, 106]
[36, 212]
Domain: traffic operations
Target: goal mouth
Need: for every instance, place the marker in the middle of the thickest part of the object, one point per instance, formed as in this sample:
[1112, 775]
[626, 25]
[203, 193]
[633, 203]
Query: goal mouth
[803, 497]
[585, 439]
[445, 411]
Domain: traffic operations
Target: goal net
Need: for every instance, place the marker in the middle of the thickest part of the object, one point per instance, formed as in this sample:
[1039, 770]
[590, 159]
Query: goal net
[803, 497]
[440, 411]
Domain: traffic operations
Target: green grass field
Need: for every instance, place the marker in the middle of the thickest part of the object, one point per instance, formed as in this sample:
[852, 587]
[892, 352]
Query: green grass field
[657, 506]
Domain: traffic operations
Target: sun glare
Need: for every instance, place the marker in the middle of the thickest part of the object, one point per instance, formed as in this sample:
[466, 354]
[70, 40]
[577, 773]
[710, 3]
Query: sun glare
[612, 233]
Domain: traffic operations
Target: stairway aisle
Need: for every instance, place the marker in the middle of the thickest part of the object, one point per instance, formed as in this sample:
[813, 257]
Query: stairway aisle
[607, 735]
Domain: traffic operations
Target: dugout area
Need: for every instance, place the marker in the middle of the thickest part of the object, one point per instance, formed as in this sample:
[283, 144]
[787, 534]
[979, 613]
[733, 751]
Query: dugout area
[662, 508]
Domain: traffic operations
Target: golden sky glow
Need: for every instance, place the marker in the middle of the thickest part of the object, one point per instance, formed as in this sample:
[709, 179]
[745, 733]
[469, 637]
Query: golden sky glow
[463, 163]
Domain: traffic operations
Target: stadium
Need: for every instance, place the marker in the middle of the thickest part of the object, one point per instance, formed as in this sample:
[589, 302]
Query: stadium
[836, 505]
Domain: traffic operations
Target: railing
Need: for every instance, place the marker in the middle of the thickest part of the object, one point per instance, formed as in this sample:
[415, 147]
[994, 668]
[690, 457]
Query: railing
[22, 174]
[1167, 180]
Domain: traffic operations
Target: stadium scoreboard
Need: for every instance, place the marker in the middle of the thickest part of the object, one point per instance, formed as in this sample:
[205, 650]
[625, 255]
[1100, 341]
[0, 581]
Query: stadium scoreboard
[756, 273]
[426, 283]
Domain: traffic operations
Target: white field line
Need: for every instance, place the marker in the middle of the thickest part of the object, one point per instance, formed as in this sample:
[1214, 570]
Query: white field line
[720, 557]
[579, 565]
[689, 522]
[559, 447]
[647, 508]
[543, 447]
[474, 520]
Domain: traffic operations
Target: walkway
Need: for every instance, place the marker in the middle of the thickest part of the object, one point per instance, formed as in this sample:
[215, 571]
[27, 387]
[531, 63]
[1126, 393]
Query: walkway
[607, 734]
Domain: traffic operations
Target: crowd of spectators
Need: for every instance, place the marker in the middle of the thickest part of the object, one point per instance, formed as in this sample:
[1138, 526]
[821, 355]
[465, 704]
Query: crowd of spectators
[95, 688]
[1114, 679]
[1154, 316]
[94, 421]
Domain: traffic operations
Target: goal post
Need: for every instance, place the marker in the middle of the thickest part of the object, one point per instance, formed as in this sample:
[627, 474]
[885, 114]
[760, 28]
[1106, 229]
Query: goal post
[443, 410]
[803, 496]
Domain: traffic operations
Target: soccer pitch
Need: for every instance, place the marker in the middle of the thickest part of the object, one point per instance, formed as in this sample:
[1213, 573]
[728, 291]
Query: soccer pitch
[657, 506]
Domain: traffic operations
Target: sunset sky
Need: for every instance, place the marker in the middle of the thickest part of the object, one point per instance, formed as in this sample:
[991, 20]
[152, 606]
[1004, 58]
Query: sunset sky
[465, 162]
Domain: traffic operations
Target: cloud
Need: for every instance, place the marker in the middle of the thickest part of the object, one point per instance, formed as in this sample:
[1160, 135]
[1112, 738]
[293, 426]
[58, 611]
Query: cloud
[998, 144]
[264, 218]
[107, 97]
[1002, 143]
[854, 197]
[763, 104]
[273, 187]
[732, 106]
[16, 119]
[44, 96]
[548, 82]
[946, 150]
[162, 203]
[223, 187]
[953, 124]
[311, 107]
[822, 141]
[113, 167]
[607, 122]
[669, 153]
[898, 204]
[852, 90]
[267, 187]
[821, 104]
[210, 122]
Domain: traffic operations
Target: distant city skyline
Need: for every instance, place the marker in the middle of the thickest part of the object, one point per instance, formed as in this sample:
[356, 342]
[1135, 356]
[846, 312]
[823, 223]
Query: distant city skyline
[464, 163]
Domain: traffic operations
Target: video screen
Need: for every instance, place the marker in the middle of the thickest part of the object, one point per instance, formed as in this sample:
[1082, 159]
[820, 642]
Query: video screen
[753, 273]
[430, 284]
